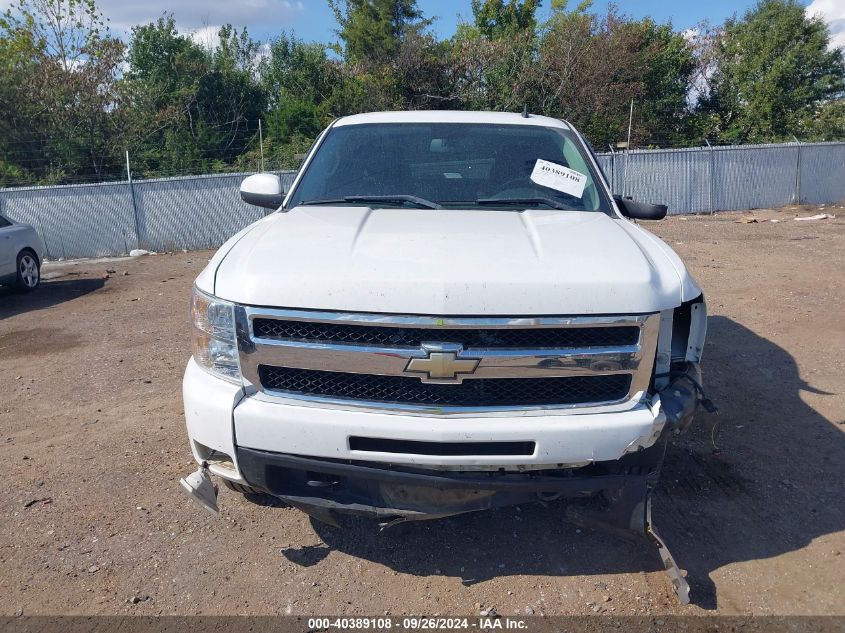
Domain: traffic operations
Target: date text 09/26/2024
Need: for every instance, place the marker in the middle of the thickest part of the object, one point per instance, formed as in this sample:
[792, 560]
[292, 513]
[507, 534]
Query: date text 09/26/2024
[417, 623]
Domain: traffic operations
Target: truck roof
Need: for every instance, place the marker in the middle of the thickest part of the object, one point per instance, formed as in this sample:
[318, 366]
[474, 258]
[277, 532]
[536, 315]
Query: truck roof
[451, 116]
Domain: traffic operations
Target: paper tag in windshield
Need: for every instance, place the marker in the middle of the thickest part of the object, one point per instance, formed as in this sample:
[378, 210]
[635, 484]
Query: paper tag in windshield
[559, 178]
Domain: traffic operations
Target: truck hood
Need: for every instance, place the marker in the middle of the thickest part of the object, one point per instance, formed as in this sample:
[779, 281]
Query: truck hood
[450, 262]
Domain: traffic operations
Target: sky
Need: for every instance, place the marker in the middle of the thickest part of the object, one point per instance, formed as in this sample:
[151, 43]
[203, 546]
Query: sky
[312, 20]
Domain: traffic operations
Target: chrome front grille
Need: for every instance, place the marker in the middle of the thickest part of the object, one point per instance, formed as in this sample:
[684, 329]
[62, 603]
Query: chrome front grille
[484, 392]
[446, 365]
[515, 338]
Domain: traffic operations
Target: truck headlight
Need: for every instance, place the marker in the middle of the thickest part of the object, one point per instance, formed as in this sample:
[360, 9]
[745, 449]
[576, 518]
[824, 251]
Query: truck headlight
[213, 341]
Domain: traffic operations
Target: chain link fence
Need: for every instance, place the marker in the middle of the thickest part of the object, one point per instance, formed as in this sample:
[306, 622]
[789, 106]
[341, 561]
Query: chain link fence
[728, 178]
[161, 214]
[196, 212]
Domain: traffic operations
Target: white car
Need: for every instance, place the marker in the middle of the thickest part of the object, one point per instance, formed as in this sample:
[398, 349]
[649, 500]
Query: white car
[448, 312]
[21, 254]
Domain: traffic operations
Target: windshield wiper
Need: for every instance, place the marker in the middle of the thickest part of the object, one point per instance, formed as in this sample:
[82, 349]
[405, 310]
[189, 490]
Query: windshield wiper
[420, 202]
[398, 198]
[550, 202]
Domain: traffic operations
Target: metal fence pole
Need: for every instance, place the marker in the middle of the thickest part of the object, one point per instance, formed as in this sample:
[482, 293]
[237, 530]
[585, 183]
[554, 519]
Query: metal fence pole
[261, 144]
[626, 153]
[43, 233]
[798, 172]
[134, 203]
[612, 168]
[712, 176]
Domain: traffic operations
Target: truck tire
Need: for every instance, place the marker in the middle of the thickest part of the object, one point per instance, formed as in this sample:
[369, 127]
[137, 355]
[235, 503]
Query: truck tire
[28, 271]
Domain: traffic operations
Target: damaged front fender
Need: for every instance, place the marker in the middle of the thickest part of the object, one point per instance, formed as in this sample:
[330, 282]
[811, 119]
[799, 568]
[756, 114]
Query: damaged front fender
[675, 405]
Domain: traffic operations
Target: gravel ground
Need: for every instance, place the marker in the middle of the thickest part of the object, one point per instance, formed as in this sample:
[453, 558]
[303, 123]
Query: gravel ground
[92, 520]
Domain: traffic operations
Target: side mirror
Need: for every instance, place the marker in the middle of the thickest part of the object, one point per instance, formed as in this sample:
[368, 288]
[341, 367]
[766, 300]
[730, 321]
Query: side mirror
[263, 190]
[640, 210]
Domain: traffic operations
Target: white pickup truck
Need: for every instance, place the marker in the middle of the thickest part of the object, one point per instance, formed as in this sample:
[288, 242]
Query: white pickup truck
[447, 312]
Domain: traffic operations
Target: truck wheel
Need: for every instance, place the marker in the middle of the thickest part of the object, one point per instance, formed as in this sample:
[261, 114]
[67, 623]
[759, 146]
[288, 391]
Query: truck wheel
[29, 271]
[255, 496]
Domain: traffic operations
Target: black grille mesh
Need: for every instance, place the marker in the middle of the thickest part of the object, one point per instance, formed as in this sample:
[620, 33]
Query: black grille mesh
[530, 338]
[478, 392]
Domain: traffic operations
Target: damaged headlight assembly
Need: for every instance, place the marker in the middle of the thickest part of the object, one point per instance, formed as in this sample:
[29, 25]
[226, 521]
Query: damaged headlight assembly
[684, 392]
[213, 340]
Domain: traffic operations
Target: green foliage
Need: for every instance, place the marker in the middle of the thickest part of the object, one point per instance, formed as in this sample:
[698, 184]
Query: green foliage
[74, 98]
[372, 30]
[11, 174]
[771, 70]
[19, 55]
[825, 123]
[164, 66]
[668, 65]
[299, 71]
[190, 107]
[425, 75]
[293, 117]
[596, 66]
[497, 18]
[58, 90]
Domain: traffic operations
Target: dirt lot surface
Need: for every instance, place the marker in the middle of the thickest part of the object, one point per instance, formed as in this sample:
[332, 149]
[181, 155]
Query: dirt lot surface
[92, 520]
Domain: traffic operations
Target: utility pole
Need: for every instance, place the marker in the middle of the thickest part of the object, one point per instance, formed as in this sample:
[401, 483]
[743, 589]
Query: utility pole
[261, 143]
[630, 122]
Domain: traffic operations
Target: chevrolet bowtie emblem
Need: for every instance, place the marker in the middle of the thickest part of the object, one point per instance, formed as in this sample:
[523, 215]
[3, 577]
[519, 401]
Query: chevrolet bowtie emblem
[441, 364]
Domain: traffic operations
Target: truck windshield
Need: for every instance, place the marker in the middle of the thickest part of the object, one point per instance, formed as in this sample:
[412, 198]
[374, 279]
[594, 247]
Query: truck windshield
[451, 165]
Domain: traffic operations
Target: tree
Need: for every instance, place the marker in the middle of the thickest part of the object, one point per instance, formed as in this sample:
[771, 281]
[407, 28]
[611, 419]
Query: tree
[772, 69]
[305, 90]
[191, 110]
[161, 84]
[73, 97]
[230, 101]
[667, 62]
[61, 67]
[372, 30]
[426, 73]
[493, 60]
[496, 74]
[826, 123]
[590, 68]
[391, 61]
[497, 18]
[164, 71]
[22, 119]
[298, 70]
